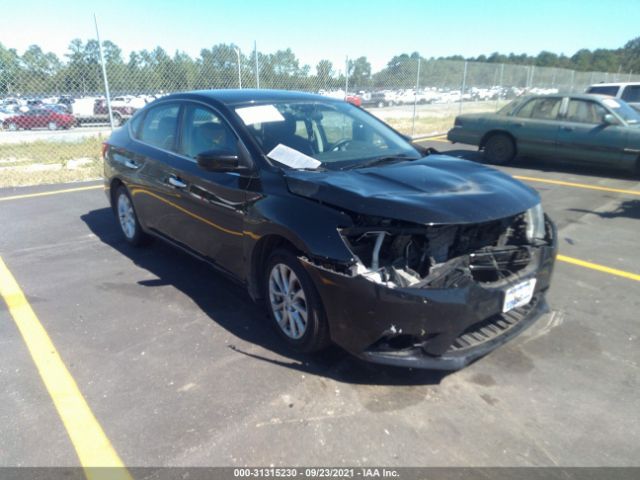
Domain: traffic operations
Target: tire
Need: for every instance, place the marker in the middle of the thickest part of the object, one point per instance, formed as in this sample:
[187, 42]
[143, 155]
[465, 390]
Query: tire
[12, 127]
[128, 219]
[298, 295]
[380, 104]
[117, 120]
[499, 149]
[52, 126]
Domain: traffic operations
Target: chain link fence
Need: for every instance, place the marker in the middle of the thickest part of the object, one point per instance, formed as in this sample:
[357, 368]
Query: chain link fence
[54, 114]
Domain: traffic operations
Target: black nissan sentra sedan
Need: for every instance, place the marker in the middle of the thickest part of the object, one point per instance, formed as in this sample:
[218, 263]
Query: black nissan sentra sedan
[347, 232]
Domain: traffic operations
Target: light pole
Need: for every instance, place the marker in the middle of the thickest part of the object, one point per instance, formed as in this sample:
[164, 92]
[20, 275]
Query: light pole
[237, 49]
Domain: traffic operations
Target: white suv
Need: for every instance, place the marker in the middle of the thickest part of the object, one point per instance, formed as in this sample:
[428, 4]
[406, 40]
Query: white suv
[627, 91]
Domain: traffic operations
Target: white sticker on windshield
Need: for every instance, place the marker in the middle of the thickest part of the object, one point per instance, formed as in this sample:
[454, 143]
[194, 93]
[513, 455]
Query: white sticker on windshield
[292, 158]
[259, 114]
[609, 102]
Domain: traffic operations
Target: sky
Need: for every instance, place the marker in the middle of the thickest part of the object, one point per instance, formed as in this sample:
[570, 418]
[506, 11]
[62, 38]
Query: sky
[331, 29]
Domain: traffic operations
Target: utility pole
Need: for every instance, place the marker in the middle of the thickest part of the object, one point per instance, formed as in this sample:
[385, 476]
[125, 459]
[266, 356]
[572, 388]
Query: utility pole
[104, 73]
[237, 49]
[346, 76]
[415, 98]
[255, 52]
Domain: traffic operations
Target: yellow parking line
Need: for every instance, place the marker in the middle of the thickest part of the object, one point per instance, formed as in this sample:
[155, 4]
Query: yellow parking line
[439, 138]
[600, 268]
[51, 192]
[577, 185]
[86, 434]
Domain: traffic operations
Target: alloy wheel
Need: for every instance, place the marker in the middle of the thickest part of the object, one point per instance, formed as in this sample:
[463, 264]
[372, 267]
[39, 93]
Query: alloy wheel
[126, 216]
[288, 301]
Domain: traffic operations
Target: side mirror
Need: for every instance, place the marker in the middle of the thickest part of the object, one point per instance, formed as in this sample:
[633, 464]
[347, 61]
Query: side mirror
[609, 119]
[219, 161]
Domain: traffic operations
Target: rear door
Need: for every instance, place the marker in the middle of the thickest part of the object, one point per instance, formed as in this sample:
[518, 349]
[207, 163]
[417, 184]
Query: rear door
[584, 137]
[146, 163]
[535, 126]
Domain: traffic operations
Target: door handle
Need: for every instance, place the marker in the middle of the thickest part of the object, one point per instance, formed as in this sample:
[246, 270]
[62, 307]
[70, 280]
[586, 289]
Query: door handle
[567, 129]
[131, 164]
[176, 182]
[518, 124]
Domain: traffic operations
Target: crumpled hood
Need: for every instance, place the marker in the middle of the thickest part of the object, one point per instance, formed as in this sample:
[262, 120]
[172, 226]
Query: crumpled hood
[437, 189]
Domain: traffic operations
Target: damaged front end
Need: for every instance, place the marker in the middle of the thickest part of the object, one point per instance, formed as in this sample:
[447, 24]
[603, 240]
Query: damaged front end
[398, 254]
[436, 296]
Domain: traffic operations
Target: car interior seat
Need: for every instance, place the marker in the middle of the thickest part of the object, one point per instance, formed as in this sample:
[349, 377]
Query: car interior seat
[209, 136]
[164, 135]
[284, 132]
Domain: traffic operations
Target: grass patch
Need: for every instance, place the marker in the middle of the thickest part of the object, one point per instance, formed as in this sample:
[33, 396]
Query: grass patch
[423, 125]
[436, 118]
[43, 162]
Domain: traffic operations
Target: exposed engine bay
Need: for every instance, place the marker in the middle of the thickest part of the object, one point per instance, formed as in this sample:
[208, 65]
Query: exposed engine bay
[400, 254]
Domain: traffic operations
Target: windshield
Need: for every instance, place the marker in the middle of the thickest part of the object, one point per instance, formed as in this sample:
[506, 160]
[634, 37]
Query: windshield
[310, 134]
[624, 110]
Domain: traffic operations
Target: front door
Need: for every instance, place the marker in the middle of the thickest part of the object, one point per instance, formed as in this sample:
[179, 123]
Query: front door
[584, 137]
[212, 205]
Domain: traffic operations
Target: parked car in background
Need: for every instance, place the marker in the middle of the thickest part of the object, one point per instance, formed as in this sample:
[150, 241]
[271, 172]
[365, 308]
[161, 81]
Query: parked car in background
[58, 108]
[39, 118]
[354, 100]
[588, 129]
[373, 99]
[344, 230]
[4, 114]
[627, 91]
[94, 110]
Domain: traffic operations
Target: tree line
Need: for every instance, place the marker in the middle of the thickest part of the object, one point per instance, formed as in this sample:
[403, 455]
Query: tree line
[37, 72]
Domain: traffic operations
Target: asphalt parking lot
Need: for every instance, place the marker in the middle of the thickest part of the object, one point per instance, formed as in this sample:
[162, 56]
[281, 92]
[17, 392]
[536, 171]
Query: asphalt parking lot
[178, 367]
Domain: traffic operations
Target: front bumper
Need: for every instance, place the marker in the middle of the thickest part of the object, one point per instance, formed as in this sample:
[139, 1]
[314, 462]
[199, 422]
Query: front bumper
[432, 328]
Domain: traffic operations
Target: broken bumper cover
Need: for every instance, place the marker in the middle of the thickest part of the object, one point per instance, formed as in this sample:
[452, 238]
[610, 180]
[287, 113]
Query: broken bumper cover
[432, 328]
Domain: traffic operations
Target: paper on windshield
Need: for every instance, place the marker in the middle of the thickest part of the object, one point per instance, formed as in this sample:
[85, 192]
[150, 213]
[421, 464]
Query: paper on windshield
[609, 102]
[292, 158]
[259, 114]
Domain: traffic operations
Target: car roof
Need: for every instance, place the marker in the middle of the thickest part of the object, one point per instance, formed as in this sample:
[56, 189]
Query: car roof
[249, 95]
[579, 96]
[613, 84]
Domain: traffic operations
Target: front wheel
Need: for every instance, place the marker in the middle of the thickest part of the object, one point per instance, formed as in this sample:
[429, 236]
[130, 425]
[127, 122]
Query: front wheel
[293, 303]
[128, 220]
[499, 149]
[52, 126]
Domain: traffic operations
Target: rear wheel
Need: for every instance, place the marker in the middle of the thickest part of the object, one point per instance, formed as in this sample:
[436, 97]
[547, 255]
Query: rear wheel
[52, 126]
[499, 149]
[293, 303]
[117, 120]
[128, 220]
[13, 127]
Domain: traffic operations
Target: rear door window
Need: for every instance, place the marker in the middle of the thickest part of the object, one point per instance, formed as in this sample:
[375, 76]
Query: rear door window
[159, 126]
[541, 108]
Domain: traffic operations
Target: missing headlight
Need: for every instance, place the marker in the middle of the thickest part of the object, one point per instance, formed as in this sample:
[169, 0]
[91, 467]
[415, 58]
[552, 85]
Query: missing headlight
[401, 255]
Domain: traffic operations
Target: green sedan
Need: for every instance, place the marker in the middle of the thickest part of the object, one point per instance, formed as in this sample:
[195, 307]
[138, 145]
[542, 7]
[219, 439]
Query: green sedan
[588, 129]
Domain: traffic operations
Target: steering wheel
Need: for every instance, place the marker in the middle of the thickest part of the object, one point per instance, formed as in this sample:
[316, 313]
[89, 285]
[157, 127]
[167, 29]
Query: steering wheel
[341, 145]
